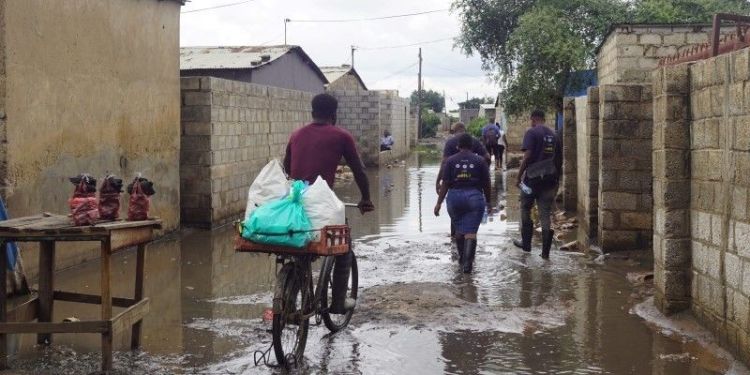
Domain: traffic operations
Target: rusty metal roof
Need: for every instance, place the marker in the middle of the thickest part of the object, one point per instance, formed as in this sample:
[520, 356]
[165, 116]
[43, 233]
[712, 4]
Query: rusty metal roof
[239, 57]
[333, 73]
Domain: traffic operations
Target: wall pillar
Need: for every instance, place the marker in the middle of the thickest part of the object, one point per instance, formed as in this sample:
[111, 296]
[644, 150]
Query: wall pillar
[570, 174]
[671, 164]
[587, 153]
[625, 197]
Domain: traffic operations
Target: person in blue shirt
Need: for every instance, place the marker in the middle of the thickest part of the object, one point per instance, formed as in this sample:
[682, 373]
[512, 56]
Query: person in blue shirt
[466, 184]
[542, 152]
[492, 138]
[386, 143]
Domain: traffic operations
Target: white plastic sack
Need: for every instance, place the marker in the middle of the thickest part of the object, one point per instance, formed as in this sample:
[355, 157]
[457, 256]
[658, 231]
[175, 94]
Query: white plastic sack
[270, 184]
[322, 206]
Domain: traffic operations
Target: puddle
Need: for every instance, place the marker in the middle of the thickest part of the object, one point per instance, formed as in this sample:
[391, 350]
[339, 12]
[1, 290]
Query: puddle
[417, 314]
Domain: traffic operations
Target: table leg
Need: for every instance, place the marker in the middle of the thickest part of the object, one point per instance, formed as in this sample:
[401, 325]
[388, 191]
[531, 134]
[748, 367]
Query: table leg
[106, 305]
[3, 297]
[46, 285]
[135, 337]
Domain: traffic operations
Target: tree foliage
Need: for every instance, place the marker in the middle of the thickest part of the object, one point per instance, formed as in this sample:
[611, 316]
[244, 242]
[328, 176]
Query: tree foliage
[430, 123]
[474, 103]
[531, 46]
[430, 99]
[475, 126]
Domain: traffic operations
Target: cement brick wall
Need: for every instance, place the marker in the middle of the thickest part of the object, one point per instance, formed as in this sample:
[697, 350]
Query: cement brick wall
[569, 184]
[587, 154]
[625, 196]
[720, 215]
[230, 130]
[366, 114]
[671, 186]
[631, 52]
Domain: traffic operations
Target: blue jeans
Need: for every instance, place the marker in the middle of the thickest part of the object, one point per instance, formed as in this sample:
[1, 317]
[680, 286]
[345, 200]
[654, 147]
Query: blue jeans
[466, 209]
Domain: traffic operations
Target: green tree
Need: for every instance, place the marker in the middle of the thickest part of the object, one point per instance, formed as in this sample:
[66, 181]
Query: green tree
[475, 126]
[474, 103]
[685, 10]
[430, 99]
[430, 123]
[531, 46]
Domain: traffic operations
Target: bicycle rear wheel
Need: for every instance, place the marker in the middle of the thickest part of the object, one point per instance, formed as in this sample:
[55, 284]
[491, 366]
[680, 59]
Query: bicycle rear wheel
[336, 322]
[289, 325]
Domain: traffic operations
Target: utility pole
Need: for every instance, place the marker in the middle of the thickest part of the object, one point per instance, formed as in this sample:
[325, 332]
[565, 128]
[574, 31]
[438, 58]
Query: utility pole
[354, 48]
[445, 111]
[286, 21]
[419, 97]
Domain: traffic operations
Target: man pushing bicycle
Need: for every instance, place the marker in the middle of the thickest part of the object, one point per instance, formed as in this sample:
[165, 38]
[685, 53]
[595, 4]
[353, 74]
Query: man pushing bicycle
[316, 150]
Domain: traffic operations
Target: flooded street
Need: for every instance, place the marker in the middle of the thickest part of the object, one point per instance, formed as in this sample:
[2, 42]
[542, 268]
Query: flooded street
[417, 313]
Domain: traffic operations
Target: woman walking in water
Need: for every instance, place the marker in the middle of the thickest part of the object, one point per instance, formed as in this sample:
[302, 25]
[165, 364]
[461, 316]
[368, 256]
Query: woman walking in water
[466, 178]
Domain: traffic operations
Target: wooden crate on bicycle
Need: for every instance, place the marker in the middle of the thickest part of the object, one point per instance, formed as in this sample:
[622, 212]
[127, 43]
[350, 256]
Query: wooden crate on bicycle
[334, 240]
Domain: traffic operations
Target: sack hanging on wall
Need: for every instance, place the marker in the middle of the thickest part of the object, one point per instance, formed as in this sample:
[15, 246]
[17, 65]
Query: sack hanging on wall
[84, 209]
[109, 198]
[140, 190]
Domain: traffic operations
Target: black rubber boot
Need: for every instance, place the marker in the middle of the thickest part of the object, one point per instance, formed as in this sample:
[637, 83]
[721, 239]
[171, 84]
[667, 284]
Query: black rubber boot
[460, 248]
[340, 283]
[547, 243]
[525, 243]
[470, 249]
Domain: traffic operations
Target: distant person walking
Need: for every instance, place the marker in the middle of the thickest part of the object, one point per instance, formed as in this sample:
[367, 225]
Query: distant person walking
[451, 148]
[538, 178]
[467, 187]
[493, 138]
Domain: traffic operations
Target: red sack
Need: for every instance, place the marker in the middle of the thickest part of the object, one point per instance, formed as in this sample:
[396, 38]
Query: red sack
[84, 208]
[139, 203]
[109, 198]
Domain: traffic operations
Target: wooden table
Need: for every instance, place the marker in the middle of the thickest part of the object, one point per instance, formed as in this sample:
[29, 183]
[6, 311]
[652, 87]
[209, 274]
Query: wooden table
[47, 230]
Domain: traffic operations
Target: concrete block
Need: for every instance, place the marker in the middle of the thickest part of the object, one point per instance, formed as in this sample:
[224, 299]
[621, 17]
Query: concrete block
[740, 203]
[676, 284]
[745, 286]
[190, 83]
[677, 253]
[696, 37]
[636, 220]
[619, 201]
[650, 39]
[741, 238]
[672, 194]
[674, 164]
[741, 133]
[672, 223]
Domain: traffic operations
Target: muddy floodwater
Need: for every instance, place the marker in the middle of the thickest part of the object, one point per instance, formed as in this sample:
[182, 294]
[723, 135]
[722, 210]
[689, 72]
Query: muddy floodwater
[416, 314]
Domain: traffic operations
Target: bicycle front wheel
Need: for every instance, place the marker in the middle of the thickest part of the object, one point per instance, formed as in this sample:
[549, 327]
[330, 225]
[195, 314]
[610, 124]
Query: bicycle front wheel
[336, 322]
[289, 323]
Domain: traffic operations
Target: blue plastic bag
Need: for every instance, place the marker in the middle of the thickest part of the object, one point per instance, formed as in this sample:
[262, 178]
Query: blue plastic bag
[281, 222]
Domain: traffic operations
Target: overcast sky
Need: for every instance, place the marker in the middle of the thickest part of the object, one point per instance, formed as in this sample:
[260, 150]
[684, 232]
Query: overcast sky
[260, 22]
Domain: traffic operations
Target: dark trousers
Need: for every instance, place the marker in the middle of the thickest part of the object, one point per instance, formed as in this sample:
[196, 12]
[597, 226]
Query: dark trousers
[544, 198]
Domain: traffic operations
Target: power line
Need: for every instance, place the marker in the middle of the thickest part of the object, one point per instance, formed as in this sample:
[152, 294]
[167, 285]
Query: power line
[406, 45]
[396, 73]
[372, 18]
[216, 7]
[453, 71]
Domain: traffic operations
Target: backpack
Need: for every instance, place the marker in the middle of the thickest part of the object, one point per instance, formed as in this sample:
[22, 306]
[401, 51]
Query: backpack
[544, 172]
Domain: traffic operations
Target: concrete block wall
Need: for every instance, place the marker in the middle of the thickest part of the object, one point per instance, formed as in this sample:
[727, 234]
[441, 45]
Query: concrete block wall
[366, 114]
[720, 215]
[394, 117]
[631, 52]
[230, 130]
[569, 183]
[671, 188]
[587, 165]
[625, 196]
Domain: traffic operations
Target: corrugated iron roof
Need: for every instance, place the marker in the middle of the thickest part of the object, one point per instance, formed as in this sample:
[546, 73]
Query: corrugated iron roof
[226, 57]
[333, 73]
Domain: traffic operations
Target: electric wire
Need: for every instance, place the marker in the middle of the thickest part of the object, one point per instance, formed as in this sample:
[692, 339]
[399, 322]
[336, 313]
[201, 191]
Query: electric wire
[370, 18]
[405, 45]
[217, 7]
[395, 74]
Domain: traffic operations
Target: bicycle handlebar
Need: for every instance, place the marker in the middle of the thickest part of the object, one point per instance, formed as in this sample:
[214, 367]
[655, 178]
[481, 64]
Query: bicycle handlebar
[351, 205]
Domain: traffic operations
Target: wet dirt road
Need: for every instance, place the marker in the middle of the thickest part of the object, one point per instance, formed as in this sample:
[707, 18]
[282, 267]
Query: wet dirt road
[416, 315]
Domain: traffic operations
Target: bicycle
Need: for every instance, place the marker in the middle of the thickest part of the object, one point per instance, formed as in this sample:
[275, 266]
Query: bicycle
[295, 299]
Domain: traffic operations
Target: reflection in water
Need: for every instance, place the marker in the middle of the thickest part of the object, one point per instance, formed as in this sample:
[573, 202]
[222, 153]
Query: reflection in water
[514, 314]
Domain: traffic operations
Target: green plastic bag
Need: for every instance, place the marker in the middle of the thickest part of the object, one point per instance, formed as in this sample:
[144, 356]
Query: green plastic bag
[282, 222]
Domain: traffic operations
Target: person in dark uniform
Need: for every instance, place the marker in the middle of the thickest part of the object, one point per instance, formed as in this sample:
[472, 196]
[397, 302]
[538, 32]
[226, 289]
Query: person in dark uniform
[466, 184]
